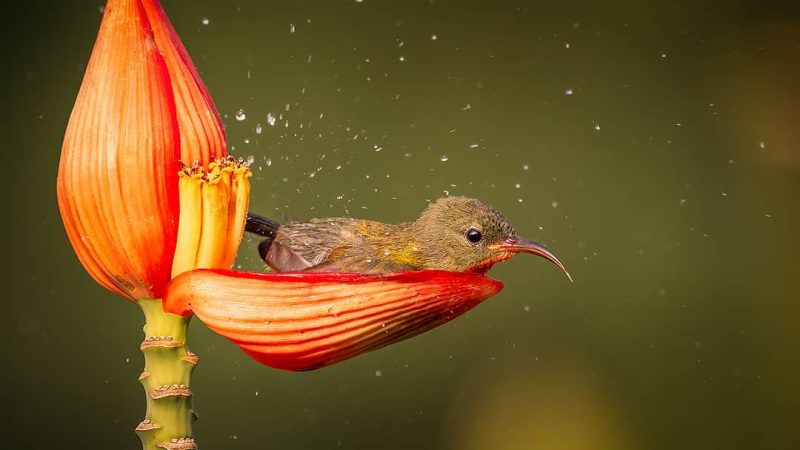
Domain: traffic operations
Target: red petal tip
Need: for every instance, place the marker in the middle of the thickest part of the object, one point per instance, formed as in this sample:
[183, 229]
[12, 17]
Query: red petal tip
[303, 321]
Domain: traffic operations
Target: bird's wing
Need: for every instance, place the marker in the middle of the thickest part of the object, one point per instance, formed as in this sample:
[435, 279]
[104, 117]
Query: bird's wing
[283, 259]
[350, 259]
[312, 241]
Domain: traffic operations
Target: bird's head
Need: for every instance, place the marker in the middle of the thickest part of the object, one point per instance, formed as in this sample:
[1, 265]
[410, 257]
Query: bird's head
[463, 234]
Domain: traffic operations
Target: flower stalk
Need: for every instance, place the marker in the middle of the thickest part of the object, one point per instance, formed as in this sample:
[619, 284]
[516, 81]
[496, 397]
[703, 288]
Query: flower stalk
[166, 379]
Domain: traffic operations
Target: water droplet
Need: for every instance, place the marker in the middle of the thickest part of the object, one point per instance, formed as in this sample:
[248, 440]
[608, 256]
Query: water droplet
[682, 201]
[597, 127]
[474, 145]
[240, 115]
[258, 128]
[525, 167]
[271, 119]
[566, 45]
[517, 185]
[568, 91]
[205, 21]
[291, 28]
[434, 37]
[444, 158]
[555, 204]
[761, 144]
[378, 373]
[269, 162]
[402, 58]
[526, 308]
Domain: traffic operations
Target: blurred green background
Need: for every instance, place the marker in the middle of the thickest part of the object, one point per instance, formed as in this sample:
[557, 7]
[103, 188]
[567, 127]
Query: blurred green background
[652, 145]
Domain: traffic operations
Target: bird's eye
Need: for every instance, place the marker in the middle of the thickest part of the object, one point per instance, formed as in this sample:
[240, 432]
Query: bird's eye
[474, 235]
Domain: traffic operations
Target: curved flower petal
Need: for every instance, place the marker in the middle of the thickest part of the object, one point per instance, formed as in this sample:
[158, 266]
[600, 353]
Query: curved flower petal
[118, 175]
[202, 134]
[304, 321]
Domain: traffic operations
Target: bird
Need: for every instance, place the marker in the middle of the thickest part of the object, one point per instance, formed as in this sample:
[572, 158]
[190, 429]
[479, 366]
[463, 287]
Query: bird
[453, 233]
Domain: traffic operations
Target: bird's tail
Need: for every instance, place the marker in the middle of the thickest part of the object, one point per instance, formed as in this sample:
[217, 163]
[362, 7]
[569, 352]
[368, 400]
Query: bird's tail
[263, 227]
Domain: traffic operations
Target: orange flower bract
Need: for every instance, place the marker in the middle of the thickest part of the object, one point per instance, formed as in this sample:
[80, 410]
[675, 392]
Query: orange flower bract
[202, 134]
[304, 321]
[141, 110]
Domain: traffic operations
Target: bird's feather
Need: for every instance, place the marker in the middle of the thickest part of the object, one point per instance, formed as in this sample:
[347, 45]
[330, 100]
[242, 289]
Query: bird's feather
[314, 241]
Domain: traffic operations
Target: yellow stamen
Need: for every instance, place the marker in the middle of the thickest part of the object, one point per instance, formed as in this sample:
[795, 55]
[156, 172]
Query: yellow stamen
[213, 214]
[189, 227]
[216, 193]
[237, 212]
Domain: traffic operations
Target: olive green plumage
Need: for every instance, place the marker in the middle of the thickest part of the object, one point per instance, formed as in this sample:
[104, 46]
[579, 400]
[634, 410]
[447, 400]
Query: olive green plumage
[437, 240]
[452, 233]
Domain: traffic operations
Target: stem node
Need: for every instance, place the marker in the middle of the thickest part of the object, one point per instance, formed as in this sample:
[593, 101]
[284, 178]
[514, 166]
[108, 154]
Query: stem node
[166, 378]
[178, 444]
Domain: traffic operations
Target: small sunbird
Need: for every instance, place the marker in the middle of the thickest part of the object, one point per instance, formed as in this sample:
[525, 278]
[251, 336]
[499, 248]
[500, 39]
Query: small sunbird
[457, 234]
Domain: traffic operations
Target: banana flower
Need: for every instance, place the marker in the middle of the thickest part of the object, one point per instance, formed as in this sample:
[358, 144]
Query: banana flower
[146, 191]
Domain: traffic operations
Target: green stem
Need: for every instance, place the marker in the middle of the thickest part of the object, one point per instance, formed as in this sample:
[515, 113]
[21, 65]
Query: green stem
[168, 366]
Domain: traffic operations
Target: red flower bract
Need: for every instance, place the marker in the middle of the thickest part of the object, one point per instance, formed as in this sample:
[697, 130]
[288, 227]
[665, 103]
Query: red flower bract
[202, 133]
[140, 111]
[304, 321]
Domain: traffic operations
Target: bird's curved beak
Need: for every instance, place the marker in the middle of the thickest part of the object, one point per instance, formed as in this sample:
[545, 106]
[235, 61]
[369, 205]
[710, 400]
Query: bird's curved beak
[518, 244]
